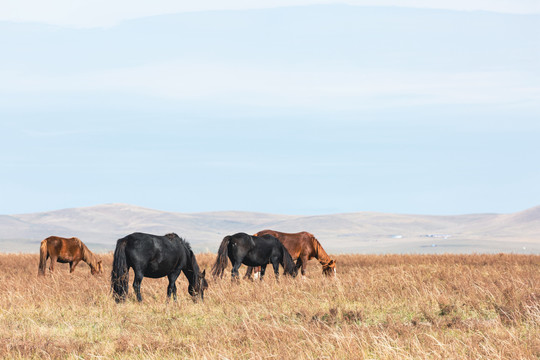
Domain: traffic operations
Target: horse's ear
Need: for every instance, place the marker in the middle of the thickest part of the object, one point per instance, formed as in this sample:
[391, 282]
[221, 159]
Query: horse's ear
[203, 274]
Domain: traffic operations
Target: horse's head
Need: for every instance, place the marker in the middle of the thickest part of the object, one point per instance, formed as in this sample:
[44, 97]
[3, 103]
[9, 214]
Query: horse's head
[295, 272]
[198, 287]
[97, 269]
[330, 268]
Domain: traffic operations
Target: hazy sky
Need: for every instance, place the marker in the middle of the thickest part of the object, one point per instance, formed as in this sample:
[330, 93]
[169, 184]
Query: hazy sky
[298, 107]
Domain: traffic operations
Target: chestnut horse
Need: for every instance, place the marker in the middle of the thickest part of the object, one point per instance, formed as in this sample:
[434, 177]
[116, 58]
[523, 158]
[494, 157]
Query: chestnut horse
[70, 251]
[302, 246]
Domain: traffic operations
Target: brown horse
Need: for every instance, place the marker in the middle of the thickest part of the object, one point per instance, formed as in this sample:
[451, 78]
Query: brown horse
[304, 247]
[70, 251]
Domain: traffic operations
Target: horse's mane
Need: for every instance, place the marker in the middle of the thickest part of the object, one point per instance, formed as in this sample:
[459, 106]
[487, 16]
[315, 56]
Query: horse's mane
[186, 244]
[182, 241]
[87, 255]
[83, 247]
[322, 256]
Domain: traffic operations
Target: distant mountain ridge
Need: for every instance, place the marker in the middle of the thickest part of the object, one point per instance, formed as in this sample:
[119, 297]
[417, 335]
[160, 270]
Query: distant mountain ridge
[363, 232]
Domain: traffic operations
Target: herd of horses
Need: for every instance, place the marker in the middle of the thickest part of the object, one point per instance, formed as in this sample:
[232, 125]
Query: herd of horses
[157, 256]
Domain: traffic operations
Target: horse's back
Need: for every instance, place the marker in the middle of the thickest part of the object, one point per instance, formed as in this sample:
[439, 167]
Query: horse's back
[138, 246]
[265, 247]
[148, 243]
[155, 255]
[240, 244]
[296, 243]
[267, 239]
[64, 249]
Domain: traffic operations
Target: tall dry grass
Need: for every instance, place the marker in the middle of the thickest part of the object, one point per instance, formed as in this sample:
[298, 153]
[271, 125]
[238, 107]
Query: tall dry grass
[379, 307]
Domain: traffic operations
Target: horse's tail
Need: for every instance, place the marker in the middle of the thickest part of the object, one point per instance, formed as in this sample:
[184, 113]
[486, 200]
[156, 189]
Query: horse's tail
[120, 272]
[288, 262]
[42, 257]
[222, 258]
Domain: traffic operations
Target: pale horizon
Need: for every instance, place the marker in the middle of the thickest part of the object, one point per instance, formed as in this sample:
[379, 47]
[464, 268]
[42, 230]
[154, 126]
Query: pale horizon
[135, 206]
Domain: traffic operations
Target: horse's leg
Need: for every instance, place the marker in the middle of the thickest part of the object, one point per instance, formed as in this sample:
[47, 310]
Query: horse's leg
[248, 273]
[234, 271]
[263, 270]
[257, 271]
[304, 264]
[174, 291]
[72, 265]
[171, 289]
[53, 261]
[298, 263]
[275, 264]
[137, 284]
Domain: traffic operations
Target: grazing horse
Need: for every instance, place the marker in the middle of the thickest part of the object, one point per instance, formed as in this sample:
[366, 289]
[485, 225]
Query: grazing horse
[155, 257]
[70, 251]
[302, 246]
[260, 251]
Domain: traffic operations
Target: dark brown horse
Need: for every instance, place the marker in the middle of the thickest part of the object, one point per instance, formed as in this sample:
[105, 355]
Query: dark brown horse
[70, 251]
[303, 247]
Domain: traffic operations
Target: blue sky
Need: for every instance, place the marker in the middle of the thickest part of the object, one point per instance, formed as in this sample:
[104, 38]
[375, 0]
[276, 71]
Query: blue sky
[321, 107]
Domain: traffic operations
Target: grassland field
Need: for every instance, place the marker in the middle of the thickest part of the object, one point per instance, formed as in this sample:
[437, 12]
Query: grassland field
[378, 307]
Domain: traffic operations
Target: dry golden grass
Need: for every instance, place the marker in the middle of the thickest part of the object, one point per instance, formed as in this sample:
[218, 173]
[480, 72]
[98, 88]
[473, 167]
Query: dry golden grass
[379, 307]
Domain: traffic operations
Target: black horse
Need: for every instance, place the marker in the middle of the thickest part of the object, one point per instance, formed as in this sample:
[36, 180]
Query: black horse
[260, 251]
[155, 256]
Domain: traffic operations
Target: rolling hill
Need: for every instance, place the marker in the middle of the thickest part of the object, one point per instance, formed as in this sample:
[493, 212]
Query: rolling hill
[364, 232]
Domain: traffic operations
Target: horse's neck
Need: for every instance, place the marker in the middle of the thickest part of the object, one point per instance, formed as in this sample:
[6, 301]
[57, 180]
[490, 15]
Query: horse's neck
[87, 256]
[190, 271]
[322, 256]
